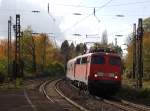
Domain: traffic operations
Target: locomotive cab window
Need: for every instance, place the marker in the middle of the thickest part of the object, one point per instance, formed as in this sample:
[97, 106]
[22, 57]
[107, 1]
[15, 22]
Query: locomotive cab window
[115, 61]
[78, 61]
[98, 60]
[84, 60]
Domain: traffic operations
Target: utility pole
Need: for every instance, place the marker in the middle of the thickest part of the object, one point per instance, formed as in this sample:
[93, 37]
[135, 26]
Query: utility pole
[140, 33]
[9, 47]
[17, 65]
[134, 49]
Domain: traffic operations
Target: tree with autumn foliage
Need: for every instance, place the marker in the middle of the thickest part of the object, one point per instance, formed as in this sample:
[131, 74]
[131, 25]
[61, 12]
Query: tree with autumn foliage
[3, 68]
[28, 50]
[3, 59]
[146, 51]
[39, 54]
[146, 24]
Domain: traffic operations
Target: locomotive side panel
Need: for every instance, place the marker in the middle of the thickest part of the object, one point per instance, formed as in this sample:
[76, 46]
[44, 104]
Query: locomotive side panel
[70, 69]
[81, 70]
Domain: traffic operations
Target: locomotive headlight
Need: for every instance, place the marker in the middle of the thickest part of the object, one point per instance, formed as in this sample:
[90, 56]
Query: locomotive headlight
[116, 77]
[95, 75]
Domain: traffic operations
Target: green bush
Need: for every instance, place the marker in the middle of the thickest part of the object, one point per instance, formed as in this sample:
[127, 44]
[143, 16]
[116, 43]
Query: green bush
[3, 64]
[3, 69]
[145, 93]
[55, 68]
[132, 93]
[18, 82]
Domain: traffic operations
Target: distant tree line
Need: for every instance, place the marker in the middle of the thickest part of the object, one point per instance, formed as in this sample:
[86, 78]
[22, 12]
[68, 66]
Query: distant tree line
[38, 53]
[70, 51]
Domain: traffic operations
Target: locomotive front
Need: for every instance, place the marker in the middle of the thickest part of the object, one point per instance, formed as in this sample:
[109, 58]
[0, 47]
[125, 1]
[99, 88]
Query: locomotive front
[105, 73]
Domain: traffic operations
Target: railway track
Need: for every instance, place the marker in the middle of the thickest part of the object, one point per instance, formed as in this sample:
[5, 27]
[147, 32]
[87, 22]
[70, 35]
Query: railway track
[142, 107]
[35, 93]
[124, 105]
[103, 104]
[52, 91]
[127, 106]
[54, 95]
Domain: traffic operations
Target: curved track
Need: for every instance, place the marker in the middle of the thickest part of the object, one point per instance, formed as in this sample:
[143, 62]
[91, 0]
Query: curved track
[37, 98]
[127, 106]
[56, 97]
[108, 104]
[53, 94]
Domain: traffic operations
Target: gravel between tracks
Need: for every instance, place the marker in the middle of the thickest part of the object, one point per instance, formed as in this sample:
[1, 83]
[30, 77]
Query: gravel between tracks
[85, 100]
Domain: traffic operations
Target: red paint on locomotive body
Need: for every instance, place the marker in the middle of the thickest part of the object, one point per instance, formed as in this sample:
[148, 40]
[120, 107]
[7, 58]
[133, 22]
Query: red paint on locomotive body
[96, 69]
[106, 70]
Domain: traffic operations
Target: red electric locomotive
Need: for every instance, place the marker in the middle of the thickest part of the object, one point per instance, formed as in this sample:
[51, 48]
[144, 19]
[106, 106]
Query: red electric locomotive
[98, 72]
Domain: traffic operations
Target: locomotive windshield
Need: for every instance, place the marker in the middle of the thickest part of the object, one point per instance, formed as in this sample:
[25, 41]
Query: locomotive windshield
[115, 61]
[98, 60]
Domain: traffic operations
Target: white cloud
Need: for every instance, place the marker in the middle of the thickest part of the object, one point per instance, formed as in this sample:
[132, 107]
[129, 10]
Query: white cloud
[39, 22]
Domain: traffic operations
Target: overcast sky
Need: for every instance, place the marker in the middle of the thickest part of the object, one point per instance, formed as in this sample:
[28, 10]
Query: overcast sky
[66, 23]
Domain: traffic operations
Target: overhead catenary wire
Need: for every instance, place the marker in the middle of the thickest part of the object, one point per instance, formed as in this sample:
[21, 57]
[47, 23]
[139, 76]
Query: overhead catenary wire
[83, 6]
[104, 5]
[130, 3]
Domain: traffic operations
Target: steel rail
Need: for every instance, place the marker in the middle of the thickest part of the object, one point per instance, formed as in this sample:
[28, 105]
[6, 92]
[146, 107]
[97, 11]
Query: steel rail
[142, 107]
[69, 100]
[43, 89]
[125, 105]
[122, 104]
